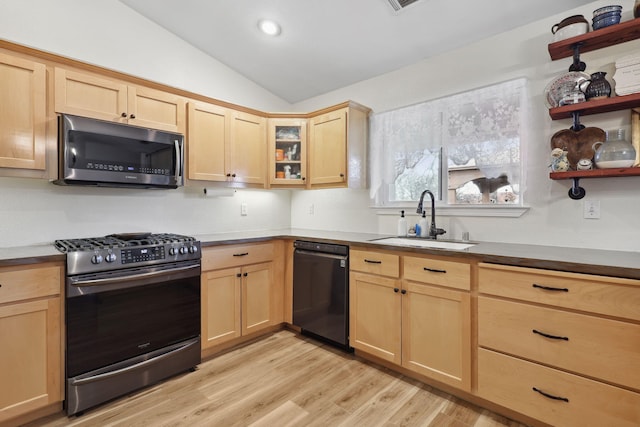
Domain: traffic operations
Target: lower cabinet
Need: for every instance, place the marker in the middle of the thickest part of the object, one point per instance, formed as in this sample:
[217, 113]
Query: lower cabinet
[30, 339]
[562, 348]
[242, 293]
[421, 321]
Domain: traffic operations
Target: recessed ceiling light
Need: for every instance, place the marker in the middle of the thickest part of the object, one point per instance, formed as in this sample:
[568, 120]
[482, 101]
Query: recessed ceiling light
[269, 27]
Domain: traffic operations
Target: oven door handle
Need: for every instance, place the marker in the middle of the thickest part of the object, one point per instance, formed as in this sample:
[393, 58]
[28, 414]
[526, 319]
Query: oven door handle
[110, 280]
[143, 364]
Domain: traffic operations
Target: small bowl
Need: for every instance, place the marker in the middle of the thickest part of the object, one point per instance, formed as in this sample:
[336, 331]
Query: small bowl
[605, 21]
[607, 9]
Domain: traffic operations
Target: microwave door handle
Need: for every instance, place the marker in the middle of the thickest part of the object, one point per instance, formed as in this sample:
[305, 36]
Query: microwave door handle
[176, 144]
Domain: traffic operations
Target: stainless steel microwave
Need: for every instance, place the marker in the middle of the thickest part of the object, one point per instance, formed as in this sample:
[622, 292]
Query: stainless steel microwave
[100, 153]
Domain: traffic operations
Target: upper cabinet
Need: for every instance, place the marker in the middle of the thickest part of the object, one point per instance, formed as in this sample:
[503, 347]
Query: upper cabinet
[23, 85]
[225, 145]
[287, 152]
[337, 147]
[88, 95]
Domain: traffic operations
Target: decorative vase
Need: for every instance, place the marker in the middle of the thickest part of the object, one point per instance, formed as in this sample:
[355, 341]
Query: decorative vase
[597, 87]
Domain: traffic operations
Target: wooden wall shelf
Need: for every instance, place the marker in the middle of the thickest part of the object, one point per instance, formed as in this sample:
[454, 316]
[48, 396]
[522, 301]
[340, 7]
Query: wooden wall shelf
[596, 106]
[604, 37]
[596, 173]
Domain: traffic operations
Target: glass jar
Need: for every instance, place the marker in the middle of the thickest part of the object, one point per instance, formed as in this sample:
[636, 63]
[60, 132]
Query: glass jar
[615, 152]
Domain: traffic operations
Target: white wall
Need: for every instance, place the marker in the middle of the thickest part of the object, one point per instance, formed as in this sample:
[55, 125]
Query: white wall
[109, 34]
[553, 218]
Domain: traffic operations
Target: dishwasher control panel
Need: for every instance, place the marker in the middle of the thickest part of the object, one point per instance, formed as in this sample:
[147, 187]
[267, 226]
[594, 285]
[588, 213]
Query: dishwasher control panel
[329, 248]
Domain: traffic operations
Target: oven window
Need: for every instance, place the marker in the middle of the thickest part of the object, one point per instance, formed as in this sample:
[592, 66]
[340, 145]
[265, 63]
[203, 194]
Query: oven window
[112, 326]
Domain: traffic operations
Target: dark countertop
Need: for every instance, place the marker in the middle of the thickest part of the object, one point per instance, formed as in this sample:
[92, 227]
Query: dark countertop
[590, 261]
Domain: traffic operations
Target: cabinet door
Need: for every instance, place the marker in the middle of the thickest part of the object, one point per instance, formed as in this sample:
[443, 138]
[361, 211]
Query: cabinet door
[221, 298]
[248, 148]
[156, 109]
[287, 152]
[436, 334]
[90, 96]
[23, 118]
[328, 148]
[207, 141]
[375, 315]
[30, 364]
[257, 295]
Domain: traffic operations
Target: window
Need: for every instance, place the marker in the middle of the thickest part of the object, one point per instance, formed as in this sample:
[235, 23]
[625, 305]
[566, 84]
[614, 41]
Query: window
[465, 148]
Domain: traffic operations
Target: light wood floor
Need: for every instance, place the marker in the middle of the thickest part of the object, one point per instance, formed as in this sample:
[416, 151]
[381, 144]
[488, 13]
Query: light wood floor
[286, 380]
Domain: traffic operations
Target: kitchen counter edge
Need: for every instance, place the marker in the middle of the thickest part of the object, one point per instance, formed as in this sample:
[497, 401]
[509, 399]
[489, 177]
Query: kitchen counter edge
[578, 260]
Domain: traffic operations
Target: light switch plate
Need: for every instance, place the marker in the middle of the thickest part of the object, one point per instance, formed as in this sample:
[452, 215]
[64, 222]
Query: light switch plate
[592, 209]
[243, 209]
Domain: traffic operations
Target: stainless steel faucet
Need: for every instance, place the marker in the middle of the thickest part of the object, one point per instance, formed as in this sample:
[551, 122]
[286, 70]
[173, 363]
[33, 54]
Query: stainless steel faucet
[434, 232]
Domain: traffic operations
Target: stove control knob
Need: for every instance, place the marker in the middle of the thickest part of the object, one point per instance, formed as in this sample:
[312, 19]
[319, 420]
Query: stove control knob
[193, 249]
[184, 250]
[173, 251]
[96, 259]
[110, 258]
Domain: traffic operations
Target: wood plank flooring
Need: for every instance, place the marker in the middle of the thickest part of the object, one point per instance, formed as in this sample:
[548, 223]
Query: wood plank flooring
[286, 380]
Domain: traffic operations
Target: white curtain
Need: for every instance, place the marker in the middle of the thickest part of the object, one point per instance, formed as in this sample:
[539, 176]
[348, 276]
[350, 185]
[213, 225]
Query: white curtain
[485, 124]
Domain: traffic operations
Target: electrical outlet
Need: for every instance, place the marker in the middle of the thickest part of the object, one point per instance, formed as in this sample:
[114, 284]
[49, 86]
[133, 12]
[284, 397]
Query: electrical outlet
[312, 209]
[243, 209]
[592, 209]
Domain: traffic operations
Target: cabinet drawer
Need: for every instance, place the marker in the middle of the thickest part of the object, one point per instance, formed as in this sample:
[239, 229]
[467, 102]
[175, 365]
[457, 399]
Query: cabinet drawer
[379, 263]
[597, 294]
[601, 348]
[232, 256]
[437, 271]
[510, 382]
[20, 283]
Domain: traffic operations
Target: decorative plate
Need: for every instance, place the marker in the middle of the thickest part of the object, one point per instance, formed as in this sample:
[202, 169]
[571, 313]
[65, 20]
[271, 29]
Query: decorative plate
[552, 91]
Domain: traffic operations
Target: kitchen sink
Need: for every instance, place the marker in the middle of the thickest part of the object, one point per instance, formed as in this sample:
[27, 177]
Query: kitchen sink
[415, 242]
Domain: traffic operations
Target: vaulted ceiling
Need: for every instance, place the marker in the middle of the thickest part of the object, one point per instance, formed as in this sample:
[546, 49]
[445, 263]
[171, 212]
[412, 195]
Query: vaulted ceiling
[328, 44]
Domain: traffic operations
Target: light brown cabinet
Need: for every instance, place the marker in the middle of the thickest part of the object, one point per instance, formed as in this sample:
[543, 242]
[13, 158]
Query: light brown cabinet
[30, 333]
[555, 346]
[421, 321]
[287, 152]
[225, 145]
[241, 294]
[337, 148]
[23, 86]
[99, 97]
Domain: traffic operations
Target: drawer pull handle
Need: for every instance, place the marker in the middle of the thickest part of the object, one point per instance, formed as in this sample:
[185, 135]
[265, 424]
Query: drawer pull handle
[242, 254]
[434, 270]
[550, 396]
[549, 288]
[372, 261]
[553, 337]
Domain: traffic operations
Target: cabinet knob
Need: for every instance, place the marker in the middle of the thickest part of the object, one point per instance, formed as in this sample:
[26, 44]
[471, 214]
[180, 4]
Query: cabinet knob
[133, 116]
[228, 175]
[396, 290]
[403, 292]
[341, 175]
[233, 175]
[238, 275]
[245, 274]
[124, 114]
[303, 178]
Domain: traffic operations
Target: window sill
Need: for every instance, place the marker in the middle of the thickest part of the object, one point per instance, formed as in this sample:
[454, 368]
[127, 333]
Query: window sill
[503, 211]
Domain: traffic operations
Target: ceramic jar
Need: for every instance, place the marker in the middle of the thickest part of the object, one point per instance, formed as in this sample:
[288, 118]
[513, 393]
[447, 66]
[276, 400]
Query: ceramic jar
[615, 152]
[559, 160]
[596, 87]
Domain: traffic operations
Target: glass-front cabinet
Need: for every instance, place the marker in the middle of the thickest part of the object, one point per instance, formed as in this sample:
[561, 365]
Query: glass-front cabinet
[288, 151]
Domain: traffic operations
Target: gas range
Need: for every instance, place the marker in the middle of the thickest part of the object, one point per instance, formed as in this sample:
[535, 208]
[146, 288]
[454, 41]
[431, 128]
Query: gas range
[120, 251]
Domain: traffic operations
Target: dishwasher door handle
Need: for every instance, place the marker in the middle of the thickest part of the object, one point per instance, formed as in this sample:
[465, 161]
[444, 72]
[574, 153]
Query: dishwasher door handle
[319, 254]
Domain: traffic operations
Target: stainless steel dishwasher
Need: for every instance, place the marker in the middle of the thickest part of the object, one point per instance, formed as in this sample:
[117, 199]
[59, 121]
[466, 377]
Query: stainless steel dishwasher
[321, 291]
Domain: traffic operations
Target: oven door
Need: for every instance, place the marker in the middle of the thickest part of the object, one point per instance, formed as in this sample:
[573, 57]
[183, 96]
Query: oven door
[115, 316]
